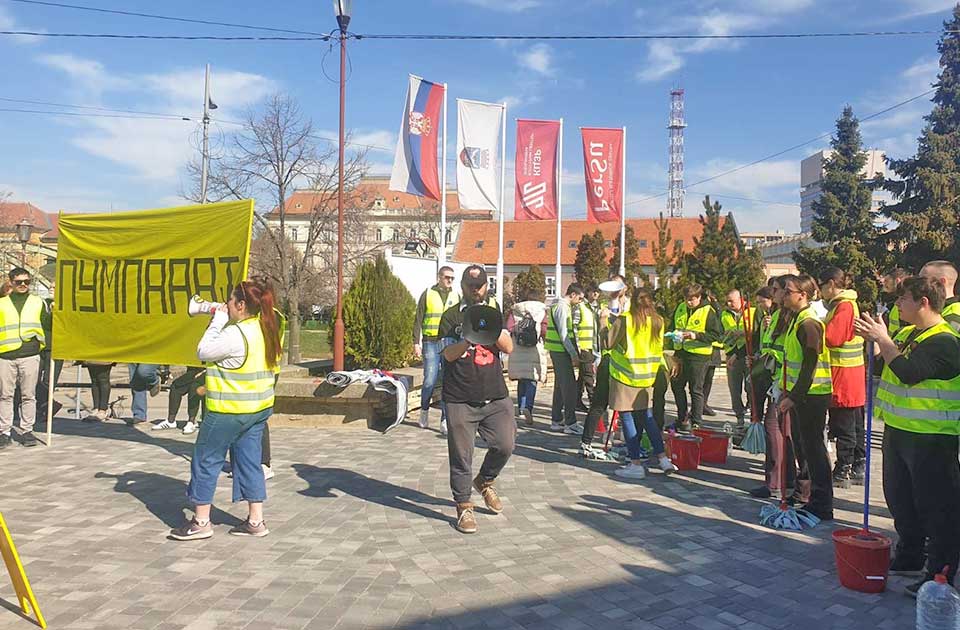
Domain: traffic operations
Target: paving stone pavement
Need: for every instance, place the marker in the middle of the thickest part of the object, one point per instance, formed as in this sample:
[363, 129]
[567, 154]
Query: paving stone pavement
[362, 537]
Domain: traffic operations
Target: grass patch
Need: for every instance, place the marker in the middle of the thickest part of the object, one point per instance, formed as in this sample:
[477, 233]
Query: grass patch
[314, 344]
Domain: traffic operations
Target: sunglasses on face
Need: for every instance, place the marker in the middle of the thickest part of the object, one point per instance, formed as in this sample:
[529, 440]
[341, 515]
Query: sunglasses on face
[447, 277]
[24, 283]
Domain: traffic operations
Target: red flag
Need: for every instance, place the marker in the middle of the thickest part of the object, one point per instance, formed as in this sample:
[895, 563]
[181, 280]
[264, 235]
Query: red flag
[536, 169]
[603, 168]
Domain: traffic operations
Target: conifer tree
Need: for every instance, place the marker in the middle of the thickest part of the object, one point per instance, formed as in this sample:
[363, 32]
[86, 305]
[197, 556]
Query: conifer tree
[532, 279]
[590, 265]
[632, 267]
[666, 255]
[927, 185]
[843, 222]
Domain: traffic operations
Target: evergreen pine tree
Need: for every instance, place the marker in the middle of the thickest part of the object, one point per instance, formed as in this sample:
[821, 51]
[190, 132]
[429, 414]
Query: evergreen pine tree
[842, 217]
[665, 256]
[632, 267]
[719, 260]
[532, 279]
[927, 187]
[590, 265]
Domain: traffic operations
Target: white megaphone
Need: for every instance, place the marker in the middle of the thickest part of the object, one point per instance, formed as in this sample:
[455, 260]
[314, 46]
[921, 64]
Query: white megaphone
[199, 306]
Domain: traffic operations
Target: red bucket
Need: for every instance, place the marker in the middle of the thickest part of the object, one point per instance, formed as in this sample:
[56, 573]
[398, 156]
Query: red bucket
[685, 451]
[713, 449]
[863, 559]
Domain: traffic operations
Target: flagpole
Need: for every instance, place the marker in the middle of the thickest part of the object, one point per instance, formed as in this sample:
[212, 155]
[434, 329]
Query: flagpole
[503, 188]
[623, 207]
[559, 270]
[442, 254]
[205, 167]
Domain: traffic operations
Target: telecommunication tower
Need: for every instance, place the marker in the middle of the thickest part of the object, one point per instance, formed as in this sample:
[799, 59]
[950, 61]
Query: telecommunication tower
[675, 177]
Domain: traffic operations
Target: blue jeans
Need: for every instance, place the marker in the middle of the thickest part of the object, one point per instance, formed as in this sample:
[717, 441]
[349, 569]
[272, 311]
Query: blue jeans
[432, 362]
[240, 433]
[526, 393]
[143, 376]
[632, 434]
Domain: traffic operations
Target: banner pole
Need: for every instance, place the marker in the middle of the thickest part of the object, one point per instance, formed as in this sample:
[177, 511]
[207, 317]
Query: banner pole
[442, 254]
[559, 174]
[503, 188]
[623, 207]
[79, 374]
[51, 377]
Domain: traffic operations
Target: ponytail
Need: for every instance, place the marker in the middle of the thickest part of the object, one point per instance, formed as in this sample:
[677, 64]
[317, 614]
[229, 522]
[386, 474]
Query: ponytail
[257, 294]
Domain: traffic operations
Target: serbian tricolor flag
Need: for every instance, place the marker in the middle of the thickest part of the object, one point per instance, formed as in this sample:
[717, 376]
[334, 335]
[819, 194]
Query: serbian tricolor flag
[415, 164]
[603, 170]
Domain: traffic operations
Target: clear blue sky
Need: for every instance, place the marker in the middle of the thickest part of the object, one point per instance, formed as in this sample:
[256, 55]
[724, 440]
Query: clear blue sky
[744, 99]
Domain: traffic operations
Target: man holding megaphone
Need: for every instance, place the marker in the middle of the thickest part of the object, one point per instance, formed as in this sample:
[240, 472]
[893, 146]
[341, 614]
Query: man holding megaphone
[476, 395]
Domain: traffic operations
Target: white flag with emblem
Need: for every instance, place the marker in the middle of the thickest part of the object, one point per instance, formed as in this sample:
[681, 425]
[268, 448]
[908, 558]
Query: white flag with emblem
[478, 154]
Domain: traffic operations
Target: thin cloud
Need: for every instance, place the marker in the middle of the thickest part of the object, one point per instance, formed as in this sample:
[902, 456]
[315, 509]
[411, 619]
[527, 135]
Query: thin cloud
[538, 58]
[516, 6]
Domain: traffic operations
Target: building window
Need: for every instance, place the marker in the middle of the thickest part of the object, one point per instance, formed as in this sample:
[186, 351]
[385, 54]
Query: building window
[510, 244]
[541, 244]
[643, 243]
[299, 205]
[413, 232]
[606, 243]
[379, 234]
[572, 244]
[379, 203]
[551, 286]
[479, 245]
[449, 235]
[491, 285]
[432, 234]
[294, 234]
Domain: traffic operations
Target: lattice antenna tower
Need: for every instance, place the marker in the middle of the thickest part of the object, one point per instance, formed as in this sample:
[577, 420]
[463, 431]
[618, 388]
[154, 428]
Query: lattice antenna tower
[675, 176]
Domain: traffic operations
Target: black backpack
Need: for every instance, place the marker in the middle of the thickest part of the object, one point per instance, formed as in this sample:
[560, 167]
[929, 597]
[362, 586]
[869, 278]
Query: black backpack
[527, 332]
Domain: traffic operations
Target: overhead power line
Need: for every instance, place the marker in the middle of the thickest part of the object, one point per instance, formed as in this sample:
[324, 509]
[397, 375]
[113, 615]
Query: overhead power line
[170, 18]
[234, 38]
[90, 114]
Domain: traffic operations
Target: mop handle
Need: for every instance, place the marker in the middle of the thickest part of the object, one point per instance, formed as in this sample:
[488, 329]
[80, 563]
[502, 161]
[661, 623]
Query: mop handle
[747, 322]
[784, 432]
[868, 435]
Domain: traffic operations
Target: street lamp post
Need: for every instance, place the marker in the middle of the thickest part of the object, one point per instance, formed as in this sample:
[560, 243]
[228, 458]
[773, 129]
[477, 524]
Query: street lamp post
[342, 10]
[24, 230]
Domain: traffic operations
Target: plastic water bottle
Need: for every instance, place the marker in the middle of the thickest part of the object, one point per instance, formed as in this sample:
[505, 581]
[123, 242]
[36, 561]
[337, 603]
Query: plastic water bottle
[937, 605]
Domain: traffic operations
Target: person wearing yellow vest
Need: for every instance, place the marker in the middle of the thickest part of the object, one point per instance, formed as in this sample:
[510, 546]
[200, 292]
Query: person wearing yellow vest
[636, 350]
[23, 318]
[586, 333]
[945, 274]
[806, 363]
[735, 348]
[890, 284]
[561, 343]
[700, 327]
[426, 341]
[919, 403]
[848, 371]
[241, 347]
[715, 357]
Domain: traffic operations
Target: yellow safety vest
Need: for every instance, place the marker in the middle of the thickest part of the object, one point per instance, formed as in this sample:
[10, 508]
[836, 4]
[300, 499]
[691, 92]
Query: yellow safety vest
[930, 406]
[894, 324]
[248, 388]
[850, 354]
[586, 327]
[695, 322]
[638, 365]
[951, 313]
[17, 327]
[793, 357]
[433, 310]
[731, 320]
[552, 341]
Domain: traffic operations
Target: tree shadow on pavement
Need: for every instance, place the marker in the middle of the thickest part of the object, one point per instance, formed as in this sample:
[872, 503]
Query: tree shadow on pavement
[323, 480]
[122, 432]
[164, 496]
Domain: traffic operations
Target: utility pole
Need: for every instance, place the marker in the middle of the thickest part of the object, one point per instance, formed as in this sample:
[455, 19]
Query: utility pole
[205, 168]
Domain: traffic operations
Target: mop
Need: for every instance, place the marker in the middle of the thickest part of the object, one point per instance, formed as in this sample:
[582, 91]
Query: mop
[869, 438]
[754, 440]
[783, 516]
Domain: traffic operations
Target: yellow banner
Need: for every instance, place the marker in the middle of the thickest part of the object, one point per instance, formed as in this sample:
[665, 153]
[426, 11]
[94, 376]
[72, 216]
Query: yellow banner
[124, 280]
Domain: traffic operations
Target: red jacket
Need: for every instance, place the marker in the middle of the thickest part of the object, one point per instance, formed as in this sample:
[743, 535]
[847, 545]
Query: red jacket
[849, 383]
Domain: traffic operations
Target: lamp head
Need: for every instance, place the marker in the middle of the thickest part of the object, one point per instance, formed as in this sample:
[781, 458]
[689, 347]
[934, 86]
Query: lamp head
[342, 9]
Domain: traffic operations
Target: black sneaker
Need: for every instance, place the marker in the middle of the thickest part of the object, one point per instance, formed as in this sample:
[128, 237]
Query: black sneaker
[29, 439]
[910, 590]
[761, 492]
[904, 563]
[709, 411]
[841, 476]
[857, 474]
[823, 515]
[4, 441]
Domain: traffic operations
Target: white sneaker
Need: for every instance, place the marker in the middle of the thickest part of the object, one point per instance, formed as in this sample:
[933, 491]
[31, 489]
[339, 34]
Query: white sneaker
[588, 452]
[667, 466]
[573, 429]
[631, 471]
[189, 427]
[443, 426]
[556, 426]
[424, 418]
[164, 424]
[267, 472]
[101, 413]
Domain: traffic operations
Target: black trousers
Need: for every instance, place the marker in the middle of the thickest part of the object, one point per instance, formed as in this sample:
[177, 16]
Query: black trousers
[808, 421]
[693, 372]
[599, 401]
[846, 424]
[921, 483]
[660, 396]
[586, 379]
[497, 426]
[708, 378]
[564, 408]
[100, 385]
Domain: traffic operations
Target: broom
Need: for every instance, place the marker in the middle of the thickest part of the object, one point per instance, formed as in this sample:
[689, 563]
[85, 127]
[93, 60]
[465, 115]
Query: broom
[754, 440]
[783, 516]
